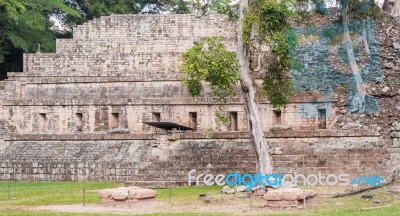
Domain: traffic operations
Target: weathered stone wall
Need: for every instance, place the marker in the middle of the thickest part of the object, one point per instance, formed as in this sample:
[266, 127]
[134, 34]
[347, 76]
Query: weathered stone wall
[129, 65]
[61, 119]
[162, 159]
[140, 46]
[126, 64]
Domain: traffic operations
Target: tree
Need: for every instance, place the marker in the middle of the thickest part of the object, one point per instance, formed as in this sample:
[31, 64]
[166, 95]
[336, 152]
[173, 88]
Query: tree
[265, 23]
[226, 7]
[23, 25]
[264, 160]
[358, 101]
[392, 7]
[261, 23]
[96, 8]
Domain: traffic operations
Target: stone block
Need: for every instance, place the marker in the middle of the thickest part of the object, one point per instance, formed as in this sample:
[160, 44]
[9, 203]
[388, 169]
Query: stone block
[121, 193]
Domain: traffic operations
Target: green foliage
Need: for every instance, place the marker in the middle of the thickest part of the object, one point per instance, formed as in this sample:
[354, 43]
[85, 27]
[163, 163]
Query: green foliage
[208, 132]
[95, 8]
[226, 7]
[365, 9]
[222, 117]
[358, 9]
[269, 19]
[209, 61]
[277, 84]
[320, 8]
[12, 59]
[194, 86]
[23, 25]
[180, 7]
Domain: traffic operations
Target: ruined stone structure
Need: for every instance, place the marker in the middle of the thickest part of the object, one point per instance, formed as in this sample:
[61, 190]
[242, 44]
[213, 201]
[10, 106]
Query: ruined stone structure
[79, 113]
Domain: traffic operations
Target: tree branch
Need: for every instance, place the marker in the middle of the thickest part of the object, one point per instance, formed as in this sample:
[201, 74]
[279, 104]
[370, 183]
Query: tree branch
[361, 190]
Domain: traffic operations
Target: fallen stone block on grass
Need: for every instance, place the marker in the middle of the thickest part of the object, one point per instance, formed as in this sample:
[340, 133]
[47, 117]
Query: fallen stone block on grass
[123, 194]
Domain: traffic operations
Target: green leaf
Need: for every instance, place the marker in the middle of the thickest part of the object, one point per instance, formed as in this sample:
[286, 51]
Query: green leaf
[209, 61]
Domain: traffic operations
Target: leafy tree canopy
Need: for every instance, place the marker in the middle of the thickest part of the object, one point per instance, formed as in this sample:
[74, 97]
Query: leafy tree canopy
[209, 61]
[23, 25]
[266, 23]
[26, 23]
[96, 8]
[226, 7]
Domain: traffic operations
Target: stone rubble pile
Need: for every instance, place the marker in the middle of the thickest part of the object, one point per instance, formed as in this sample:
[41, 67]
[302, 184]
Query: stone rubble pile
[388, 90]
[282, 197]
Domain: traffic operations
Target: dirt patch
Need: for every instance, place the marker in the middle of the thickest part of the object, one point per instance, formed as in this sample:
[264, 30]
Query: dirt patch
[216, 203]
[134, 209]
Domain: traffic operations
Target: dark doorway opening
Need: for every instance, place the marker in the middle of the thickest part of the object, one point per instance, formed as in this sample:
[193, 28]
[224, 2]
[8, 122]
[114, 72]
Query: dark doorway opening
[322, 118]
[193, 120]
[234, 121]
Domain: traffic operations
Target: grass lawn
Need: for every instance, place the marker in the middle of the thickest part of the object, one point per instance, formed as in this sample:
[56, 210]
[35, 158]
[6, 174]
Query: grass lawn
[26, 195]
[49, 193]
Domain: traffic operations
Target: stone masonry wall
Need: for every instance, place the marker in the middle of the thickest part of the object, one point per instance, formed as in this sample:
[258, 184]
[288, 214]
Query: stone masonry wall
[158, 160]
[126, 64]
[97, 118]
[142, 46]
[56, 118]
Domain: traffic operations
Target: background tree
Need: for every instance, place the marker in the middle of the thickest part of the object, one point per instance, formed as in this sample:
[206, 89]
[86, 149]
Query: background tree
[226, 7]
[392, 7]
[23, 25]
[91, 9]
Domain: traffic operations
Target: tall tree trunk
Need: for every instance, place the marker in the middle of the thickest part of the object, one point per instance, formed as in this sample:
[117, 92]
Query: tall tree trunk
[385, 5]
[365, 36]
[392, 7]
[396, 9]
[264, 160]
[358, 101]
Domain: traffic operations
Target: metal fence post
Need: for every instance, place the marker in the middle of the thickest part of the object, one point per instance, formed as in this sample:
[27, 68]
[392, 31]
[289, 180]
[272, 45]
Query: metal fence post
[8, 193]
[129, 198]
[84, 196]
[169, 193]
